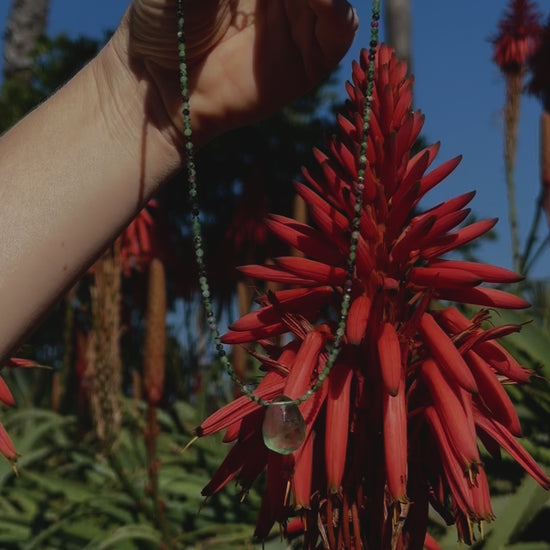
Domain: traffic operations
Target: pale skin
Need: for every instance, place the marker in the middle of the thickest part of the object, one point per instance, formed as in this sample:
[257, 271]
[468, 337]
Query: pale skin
[76, 170]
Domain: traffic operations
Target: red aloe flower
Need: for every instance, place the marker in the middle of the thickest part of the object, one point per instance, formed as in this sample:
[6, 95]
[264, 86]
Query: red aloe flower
[395, 425]
[136, 247]
[518, 36]
[6, 446]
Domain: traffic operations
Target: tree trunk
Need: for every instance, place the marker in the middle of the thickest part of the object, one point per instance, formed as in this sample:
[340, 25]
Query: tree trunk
[26, 22]
[398, 29]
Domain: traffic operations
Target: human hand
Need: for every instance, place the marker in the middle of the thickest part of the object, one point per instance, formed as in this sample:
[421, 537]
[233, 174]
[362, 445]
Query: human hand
[247, 58]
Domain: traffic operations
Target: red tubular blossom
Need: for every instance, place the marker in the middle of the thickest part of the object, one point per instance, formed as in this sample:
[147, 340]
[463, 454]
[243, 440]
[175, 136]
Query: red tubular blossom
[430, 543]
[251, 335]
[275, 503]
[486, 272]
[461, 237]
[5, 394]
[446, 353]
[506, 440]
[286, 300]
[307, 359]
[16, 363]
[447, 278]
[395, 443]
[452, 414]
[234, 462]
[389, 355]
[503, 362]
[493, 353]
[429, 181]
[493, 394]
[337, 425]
[271, 386]
[301, 481]
[303, 238]
[490, 297]
[452, 466]
[275, 274]
[413, 384]
[6, 446]
[357, 319]
[312, 270]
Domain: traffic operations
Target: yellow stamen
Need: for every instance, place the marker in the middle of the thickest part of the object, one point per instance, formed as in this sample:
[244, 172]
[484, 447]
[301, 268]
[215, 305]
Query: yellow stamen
[189, 444]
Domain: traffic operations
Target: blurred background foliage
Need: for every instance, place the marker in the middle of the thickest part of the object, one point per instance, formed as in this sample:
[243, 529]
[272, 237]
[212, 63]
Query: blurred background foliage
[78, 488]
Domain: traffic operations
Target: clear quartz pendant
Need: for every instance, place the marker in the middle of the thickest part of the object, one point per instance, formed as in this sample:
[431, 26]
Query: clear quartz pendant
[284, 429]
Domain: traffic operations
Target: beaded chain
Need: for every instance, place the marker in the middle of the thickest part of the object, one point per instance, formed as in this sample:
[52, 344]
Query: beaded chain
[334, 350]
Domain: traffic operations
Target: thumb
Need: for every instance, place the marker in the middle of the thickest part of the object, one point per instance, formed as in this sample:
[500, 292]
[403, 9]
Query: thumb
[337, 23]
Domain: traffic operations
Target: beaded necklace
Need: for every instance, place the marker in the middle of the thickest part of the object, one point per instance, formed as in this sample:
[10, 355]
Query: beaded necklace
[284, 427]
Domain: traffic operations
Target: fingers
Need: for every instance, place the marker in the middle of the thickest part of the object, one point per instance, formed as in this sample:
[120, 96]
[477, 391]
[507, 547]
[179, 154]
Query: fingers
[337, 23]
[153, 28]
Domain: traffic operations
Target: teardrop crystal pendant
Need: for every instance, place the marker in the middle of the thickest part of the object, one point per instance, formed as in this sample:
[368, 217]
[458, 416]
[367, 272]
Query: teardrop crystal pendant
[284, 429]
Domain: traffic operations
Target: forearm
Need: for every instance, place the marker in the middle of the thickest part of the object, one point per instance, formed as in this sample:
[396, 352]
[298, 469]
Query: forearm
[72, 174]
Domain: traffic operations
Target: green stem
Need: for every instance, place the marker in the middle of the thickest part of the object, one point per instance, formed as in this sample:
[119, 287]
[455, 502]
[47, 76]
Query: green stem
[513, 218]
[540, 249]
[511, 119]
[531, 239]
[151, 434]
[129, 487]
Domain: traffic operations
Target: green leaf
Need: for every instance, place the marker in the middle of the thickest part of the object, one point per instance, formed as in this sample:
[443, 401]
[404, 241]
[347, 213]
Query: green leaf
[538, 545]
[128, 532]
[74, 491]
[521, 508]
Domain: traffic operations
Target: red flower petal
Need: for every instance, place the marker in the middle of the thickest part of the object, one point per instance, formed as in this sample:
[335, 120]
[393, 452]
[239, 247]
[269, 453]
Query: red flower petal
[270, 387]
[395, 443]
[489, 273]
[458, 238]
[241, 455]
[493, 394]
[312, 270]
[453, 416]
[301, 480]
[389, 354]
[490, 297]
[305, 239]
[6, 445]
[274, 274]
[5, 394]
[503, 362]
[437, 175]
[507, 441]
[454, 472]
[295, 300]
[446, 353]
[337, 424]
[358, 317]
[301, 374]
[442, 277]
[244, 336]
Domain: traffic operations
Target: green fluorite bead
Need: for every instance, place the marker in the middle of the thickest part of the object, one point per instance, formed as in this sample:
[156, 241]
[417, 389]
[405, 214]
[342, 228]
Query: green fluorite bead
[284, 429]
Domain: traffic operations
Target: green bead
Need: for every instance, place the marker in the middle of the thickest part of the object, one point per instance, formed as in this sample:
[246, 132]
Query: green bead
[283, 429]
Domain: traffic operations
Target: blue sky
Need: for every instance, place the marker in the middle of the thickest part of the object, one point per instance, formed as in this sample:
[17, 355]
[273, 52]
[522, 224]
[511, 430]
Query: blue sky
[457, 87]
